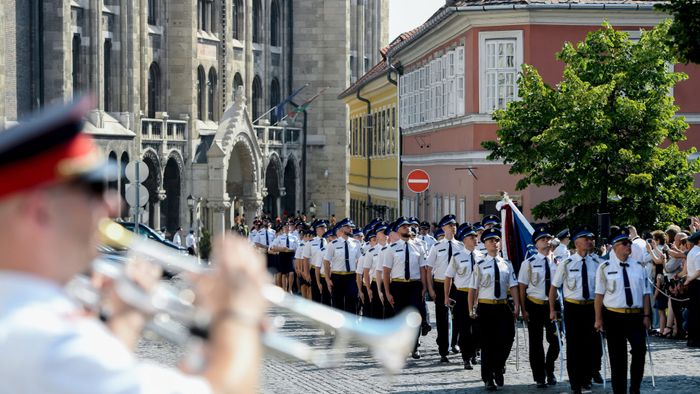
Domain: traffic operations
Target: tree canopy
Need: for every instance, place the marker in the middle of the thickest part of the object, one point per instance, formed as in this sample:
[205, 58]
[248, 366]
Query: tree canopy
[684, 34]
[606, 135]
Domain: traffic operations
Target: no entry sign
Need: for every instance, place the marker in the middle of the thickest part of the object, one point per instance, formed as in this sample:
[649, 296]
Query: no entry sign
[418, 181]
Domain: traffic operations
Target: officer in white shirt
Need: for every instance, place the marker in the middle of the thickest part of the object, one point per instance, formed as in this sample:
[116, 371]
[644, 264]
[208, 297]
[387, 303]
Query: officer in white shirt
[52, 199]
[263, 241]
[191, 243]
[285, 245]
[363, 290]
[373, 271]
[693, 283]
[562, 240]
[425, 236]
[313, 259]
[340, 261]
[535, 278]
[493, 277]
[459, 274]
[479, 230]
[576, 277]
[402, 260]
[253, 235]
[438, 260]
[302, 272]
[177, 238]
[623, 310]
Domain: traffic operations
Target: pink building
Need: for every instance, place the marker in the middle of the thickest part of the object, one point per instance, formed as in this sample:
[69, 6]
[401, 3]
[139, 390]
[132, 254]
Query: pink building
[463, 63]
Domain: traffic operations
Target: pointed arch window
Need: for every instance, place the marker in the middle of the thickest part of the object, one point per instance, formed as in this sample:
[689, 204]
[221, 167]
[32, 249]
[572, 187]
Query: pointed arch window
[211, 85]
[275, 99]
[257, 97]
[275, 24]
[257, 22]
[154, 87]
[238, 16]
[201, 91]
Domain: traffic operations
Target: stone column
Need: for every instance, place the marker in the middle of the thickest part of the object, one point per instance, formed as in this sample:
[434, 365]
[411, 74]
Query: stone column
[252, 207]
[218, 209]
[156, 209]
[249, 60]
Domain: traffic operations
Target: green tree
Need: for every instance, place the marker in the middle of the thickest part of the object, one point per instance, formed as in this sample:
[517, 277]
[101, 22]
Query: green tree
[606, 135]
[684, 34]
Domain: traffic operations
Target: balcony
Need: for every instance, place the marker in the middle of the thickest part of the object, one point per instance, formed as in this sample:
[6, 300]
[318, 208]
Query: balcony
[277, 137]
[153, 129]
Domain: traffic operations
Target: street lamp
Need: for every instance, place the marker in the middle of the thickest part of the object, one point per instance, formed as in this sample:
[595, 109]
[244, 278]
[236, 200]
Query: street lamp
[190, 204]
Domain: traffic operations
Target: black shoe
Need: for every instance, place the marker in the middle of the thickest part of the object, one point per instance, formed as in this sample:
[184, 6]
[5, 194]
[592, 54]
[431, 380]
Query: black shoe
[498, 377]
[586, 386]
[426, 329]
[444, 359]
[474, 360]
[456, 349]
[468, 366]
[634, 391]
[541, 385]
[490, 386]
[416, 355]
[551, 380]
[597, 379]
[576, 391]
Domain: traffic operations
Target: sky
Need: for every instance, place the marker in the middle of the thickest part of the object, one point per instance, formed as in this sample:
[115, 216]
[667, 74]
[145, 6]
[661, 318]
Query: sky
[405, 15]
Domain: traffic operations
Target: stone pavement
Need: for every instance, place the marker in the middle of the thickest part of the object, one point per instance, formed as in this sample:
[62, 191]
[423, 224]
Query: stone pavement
[677, 369]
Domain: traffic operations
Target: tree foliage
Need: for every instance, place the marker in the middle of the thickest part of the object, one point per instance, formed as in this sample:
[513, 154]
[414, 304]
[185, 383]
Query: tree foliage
[684, 34]
[607, 129]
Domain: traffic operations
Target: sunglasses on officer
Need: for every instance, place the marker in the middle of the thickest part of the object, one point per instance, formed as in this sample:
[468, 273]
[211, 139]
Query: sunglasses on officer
[625, 242]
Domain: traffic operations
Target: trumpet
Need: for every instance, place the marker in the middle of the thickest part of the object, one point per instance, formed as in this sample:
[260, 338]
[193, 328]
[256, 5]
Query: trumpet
[389, 341]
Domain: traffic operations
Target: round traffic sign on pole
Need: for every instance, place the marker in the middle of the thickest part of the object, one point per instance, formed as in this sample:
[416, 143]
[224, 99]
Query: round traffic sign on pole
[130, 193]
[130, 171]
[418, 181]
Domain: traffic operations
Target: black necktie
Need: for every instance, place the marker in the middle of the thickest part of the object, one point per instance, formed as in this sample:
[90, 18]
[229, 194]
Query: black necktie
[626, 281]
[471, 255]
[449, 251]
[287, 241]
[347, 257]
[406, 269]
[584, 279]
[496, 280]
[547, 276]
[267, 239]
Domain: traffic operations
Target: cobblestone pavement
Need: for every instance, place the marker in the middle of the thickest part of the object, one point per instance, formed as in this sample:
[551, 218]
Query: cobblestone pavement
[677, 369]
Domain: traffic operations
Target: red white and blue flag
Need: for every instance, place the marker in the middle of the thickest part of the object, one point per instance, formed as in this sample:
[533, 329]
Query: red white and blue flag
[516, 233]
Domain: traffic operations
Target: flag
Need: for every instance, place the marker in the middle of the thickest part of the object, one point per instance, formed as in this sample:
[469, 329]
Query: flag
[279, 108]
[517, 233]
[296, 111]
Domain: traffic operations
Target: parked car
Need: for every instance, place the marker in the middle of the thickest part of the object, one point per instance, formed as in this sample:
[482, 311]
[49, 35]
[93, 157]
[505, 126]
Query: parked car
[155, 236]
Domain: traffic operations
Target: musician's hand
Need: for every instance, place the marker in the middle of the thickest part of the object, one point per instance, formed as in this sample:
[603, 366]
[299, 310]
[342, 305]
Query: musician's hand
[598, 325]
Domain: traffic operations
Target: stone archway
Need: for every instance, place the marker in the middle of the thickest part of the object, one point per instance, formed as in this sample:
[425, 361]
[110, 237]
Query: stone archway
[272, 203]
[152, 184]
[289, 201]
[240, 176]
[170, 206]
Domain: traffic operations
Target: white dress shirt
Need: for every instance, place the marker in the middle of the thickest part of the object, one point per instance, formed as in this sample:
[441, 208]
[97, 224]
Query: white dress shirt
[693, 261]
[50, 347]
[532, 274]
[314, 251]
[176, 239]
[281, 241]
[462, 266]
[561, 252]
[483, 277]
[265, 240]
[569, 275]
[189, 240]
[299, 253]
[428, 239]
[335, 254]
[373, 263]
[438, 257]
[394, 257]
[253, 236]
[610, 283]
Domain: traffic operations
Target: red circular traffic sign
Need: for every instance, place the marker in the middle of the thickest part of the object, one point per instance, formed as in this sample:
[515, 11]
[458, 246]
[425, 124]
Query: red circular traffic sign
[418, 181]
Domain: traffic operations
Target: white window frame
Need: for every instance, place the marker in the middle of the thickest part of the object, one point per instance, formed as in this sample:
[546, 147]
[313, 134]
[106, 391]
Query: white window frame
[462, 210]
[484, 36]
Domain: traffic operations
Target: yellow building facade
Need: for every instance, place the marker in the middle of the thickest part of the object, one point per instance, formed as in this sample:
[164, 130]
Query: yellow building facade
[374, 145]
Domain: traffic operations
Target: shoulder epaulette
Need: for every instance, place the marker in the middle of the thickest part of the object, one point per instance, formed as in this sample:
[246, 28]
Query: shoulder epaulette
[393, 244]
[334, 241]
[567, 261]
[605, 264]
[531, 258]
[456, 254]
[384, 247]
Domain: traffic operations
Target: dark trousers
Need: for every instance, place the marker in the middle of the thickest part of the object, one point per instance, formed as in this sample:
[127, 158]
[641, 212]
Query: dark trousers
[542, 366]
[407, 294]
[496, 335]
[621, 328]
[344, 292]
[377, 306]
[442, 319]
[315, 291]
[326, 297]
[694, 314]
[582, 340]
[462, 324]
[366, 306]
[678, 307]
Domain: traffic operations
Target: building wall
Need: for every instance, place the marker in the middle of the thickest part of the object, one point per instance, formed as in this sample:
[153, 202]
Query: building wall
[450, 150]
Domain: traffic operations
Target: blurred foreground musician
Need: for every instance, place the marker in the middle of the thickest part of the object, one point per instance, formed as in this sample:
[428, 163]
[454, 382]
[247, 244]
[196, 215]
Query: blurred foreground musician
[51, 200]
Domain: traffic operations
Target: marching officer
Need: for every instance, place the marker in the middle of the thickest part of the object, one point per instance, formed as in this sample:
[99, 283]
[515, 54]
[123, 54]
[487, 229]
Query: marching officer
[562, 250]
[436, 264]
[491, 280]
[403, 285]
[313, 258]
[285, 245]
[425, 235]
[373, 272]
[326, 295]
[489, 221]
[459, 272]
[479, 230]
[535, 280]
[340, 262]
[576, 277]
[263, 241]
[363, 287]
[302, 271]
[623, 311]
